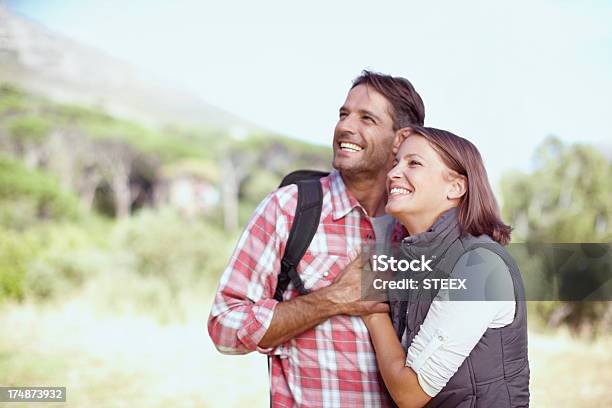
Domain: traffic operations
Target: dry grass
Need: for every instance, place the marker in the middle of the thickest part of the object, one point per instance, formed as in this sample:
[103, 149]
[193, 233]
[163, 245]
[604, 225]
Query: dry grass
[124, 361]
[131, 360]
[567, 372]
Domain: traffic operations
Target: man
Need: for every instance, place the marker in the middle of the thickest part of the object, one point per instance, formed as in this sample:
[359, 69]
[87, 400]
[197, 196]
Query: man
[320, 348]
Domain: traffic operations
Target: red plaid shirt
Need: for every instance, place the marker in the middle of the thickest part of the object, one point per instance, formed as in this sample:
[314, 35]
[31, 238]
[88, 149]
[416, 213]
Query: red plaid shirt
[330, 365]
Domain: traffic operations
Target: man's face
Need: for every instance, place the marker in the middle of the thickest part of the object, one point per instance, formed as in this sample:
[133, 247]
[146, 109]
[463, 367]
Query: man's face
[364, 135]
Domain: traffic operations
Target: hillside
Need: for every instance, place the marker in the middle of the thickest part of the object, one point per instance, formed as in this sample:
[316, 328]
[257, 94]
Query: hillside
[46, 63]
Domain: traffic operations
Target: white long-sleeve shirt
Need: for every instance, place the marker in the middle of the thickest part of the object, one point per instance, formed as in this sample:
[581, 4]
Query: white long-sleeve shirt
[453, 327]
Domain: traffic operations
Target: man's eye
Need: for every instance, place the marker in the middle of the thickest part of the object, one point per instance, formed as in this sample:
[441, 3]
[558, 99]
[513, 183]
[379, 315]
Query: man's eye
[369, 119]
[342, 115]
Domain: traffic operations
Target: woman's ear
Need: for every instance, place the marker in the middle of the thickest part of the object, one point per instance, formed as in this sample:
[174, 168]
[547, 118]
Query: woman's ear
[458, 187]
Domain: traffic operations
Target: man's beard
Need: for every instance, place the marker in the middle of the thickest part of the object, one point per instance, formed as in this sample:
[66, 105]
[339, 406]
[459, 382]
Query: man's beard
[366, 168]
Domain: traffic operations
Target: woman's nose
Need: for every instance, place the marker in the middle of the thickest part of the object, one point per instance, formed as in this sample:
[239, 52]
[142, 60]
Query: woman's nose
[394, 174]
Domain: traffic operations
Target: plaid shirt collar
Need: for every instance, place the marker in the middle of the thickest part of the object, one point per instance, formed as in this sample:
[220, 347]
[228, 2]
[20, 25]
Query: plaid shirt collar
[343, 203]
[342, 200]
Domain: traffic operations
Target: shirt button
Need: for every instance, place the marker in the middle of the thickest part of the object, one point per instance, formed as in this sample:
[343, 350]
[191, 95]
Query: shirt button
[441, 338]
[325, 274]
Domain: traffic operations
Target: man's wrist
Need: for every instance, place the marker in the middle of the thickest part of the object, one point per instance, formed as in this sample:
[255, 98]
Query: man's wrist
[333, 301]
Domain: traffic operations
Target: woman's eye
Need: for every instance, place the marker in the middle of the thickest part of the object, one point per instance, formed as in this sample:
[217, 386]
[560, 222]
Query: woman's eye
[395, 162]
[414, 163]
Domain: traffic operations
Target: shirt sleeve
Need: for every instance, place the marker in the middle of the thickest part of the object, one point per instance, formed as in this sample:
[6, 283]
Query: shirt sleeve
[452, 328]
[243, 306]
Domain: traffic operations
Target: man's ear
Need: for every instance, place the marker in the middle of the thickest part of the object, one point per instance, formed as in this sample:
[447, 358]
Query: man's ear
[458, 187]
[400, 136]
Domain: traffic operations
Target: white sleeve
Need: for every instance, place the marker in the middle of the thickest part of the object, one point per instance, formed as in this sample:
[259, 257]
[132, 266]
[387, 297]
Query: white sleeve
[452, 328]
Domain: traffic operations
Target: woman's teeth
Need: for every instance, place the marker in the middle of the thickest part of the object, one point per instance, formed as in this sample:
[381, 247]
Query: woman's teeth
[351, 147]
[399, 190]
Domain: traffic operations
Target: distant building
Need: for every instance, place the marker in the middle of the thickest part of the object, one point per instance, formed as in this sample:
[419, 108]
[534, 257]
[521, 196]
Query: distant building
[190, 186]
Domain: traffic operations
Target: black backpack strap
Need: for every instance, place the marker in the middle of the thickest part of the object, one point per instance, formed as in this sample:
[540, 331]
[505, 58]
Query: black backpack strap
[305, 224]
[300, 175]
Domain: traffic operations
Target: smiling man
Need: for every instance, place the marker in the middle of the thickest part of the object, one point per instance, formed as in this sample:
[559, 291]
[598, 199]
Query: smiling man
[321, 355]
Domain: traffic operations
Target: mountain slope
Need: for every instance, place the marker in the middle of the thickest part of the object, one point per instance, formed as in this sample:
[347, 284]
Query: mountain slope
[61, 69]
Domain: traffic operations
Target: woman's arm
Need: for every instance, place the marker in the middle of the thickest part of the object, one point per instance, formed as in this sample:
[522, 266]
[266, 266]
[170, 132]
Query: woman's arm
[446, 337]
[401, 381]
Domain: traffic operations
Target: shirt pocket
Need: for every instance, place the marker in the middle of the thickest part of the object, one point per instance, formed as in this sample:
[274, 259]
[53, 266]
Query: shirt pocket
[319, 270]
[328, 243]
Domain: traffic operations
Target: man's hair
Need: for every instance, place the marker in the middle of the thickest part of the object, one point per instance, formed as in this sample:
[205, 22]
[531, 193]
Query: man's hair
[406, 104]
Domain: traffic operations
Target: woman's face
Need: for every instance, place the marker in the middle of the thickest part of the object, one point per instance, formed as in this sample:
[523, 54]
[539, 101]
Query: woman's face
[420, 183]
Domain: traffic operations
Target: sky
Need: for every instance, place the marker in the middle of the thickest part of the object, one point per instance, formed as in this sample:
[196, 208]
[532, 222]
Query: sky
[502, 74]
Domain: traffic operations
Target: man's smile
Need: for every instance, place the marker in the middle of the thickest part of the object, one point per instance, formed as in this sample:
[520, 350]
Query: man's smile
[350, 147]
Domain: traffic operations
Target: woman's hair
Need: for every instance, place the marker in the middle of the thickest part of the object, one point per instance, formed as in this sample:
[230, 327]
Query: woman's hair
[478, 209]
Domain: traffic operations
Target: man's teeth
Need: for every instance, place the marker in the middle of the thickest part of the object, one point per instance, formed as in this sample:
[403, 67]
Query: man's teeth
[350, 147]
[399, 190]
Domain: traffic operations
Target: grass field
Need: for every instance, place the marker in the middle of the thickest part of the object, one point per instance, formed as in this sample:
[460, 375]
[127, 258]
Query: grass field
[129, 359]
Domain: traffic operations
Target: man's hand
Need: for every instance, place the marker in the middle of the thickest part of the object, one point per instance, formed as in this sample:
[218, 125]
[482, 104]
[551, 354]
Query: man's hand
[301, 313]
[346, 290]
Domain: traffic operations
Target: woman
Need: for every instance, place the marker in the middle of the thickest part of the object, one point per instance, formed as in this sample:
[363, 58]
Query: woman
[451, 353]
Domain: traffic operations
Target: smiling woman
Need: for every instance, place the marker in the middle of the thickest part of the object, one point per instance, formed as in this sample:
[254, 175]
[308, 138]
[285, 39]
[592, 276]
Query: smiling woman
[435, 170]
[420, 185]
[441, 351]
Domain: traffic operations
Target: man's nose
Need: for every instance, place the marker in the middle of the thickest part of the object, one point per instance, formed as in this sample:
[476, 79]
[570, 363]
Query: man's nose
[347, 124]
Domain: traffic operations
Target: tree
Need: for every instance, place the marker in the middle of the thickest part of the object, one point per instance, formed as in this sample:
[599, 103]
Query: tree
[28, 134]
[115, 160]
[567, 198]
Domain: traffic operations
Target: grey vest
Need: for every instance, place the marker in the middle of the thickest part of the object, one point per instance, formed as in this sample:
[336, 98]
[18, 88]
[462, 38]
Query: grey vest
[496, 372]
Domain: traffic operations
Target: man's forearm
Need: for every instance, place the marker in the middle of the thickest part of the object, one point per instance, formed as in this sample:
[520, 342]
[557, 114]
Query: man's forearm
[304, 312]
[299, 314]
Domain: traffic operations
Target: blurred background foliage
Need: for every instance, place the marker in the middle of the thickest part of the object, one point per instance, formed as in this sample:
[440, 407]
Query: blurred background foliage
[565, 199]
[88, 198]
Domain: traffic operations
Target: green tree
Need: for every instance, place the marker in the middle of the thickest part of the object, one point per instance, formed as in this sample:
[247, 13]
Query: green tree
[28, 135]
[567, 198]
[28, 196]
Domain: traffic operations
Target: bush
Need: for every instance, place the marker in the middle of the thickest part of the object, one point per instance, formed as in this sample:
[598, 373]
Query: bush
[15, 253]
[178, 250]
[12, 99]
[31, 195]
[29, 129]
[50, 259]
[57, 274]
